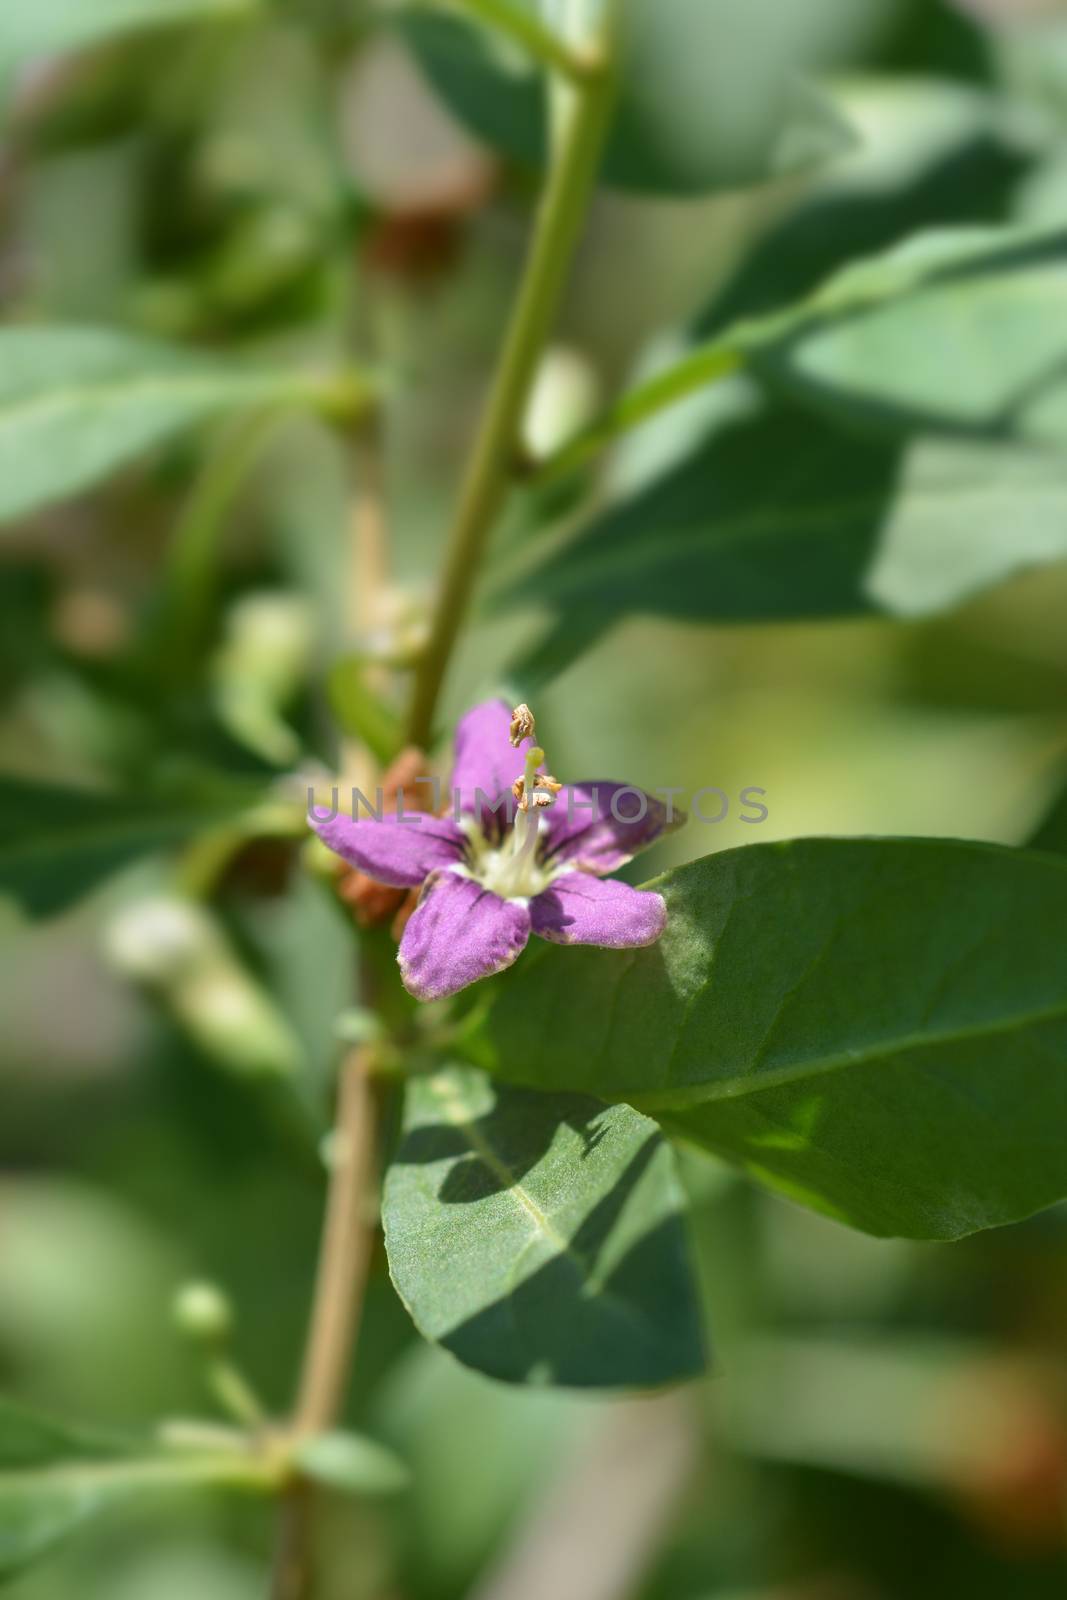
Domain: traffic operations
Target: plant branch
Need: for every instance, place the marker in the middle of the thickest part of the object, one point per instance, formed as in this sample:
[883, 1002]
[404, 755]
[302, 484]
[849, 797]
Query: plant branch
[525, 30]
[560, 219]
[344, 1258]
[345, 1252]
[350, 1222]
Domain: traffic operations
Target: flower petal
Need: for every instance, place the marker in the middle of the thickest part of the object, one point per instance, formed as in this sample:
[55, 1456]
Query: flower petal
[398, 853]
[484, 759]
[581, 909]
[458, 933]
[599, 826]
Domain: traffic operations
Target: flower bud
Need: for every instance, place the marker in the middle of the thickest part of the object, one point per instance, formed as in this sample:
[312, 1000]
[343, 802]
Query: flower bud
[565, 397]
[203, 1313]
[176, 949]
[259, 668]
[153, 941]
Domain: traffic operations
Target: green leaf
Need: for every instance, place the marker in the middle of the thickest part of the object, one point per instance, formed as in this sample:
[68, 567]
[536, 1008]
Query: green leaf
[352, 1463]
[361, 711]
[28, 1438]
[700, 529]
[955, 330]
[78, 403]
[49, 26]
[709, 98]
[877, 1028]
[932, 156]
[39, 1508]
[779, 514]
[59, 843]
[56, 1475]
[943, 332]
[540, 1238]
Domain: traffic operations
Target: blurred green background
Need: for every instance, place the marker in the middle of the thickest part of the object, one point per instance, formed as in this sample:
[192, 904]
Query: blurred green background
[886, 1419]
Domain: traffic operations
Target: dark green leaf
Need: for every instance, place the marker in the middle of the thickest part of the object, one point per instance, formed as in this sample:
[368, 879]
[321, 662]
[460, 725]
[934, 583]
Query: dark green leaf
[878, 1028]
[77, 403]
[59, 843]
[709, 95]
[1051, 833]
[539, 1238]
[780, 514]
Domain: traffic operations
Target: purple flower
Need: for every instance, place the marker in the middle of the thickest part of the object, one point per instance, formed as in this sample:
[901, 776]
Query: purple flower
[511, 858]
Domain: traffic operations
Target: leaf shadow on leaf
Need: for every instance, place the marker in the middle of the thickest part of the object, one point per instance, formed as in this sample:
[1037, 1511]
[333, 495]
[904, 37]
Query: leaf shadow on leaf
[973, 183]
[515, 1129]
[782, 365]
[583, 1321]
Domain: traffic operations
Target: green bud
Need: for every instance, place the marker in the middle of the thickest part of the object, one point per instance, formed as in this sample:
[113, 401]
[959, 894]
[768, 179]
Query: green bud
[181, 953]
[202, 1312]
[359, 1026]
[260, 667]
[565, 397]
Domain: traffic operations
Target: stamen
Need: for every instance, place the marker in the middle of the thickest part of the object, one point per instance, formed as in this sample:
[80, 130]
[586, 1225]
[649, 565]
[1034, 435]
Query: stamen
[513, 868]
[524, 838]
[522, 725]
[546, 790]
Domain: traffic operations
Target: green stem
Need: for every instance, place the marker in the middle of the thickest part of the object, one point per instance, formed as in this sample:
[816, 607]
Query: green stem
[235, 1394]
[524, 29]
[559, 222]
[259, 1471]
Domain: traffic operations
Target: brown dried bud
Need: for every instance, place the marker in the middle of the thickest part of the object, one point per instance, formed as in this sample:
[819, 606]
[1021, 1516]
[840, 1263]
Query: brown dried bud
[403, 916]
[374, 904]
[522, 725]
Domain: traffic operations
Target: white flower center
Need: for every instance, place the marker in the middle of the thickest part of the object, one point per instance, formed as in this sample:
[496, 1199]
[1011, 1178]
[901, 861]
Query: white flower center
[512, 869]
